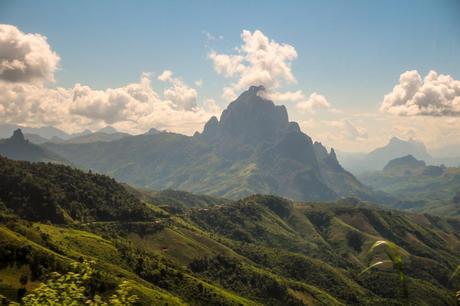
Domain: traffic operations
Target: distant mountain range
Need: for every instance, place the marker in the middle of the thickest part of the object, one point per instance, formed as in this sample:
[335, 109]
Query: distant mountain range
[51, 134]
[95, 137]
[18, 148]
[253, 148]
[36, 139]
[422, 187]
[378, 158]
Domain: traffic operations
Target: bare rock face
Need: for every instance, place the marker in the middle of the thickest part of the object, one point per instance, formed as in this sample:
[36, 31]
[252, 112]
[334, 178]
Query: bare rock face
[252, 148]
[250, 119]
[284, 154]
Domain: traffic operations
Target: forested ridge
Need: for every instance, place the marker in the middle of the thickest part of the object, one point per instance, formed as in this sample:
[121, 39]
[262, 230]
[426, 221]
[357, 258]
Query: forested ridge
[260, 250]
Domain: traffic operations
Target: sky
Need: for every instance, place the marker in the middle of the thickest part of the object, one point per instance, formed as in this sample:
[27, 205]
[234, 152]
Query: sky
[352, 73]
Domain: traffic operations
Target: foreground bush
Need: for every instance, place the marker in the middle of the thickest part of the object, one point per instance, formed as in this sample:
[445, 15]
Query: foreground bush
[72, 289]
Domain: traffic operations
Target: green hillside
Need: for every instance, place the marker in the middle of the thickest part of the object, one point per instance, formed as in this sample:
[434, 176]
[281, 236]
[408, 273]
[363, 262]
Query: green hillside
[262, 250]
[61, 194]
[176, 199]
[421, 187]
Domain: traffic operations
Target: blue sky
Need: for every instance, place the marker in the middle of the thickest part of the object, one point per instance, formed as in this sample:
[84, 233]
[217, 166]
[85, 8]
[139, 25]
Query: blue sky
[341, 44]
[353, 52]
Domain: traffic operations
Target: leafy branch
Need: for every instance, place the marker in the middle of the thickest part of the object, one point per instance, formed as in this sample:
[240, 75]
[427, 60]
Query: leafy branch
[395, 258]
[71, 289]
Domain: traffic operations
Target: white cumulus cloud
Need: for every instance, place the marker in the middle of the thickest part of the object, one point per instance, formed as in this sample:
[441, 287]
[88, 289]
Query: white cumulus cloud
[349, 130]
[258, 61]
[33, 104]
[165, 75]
[287, 96]
[114, 104]
[314, 103]
[135, 107]
[180, 94]
[25, 57]
[435, 95]
[27, 62]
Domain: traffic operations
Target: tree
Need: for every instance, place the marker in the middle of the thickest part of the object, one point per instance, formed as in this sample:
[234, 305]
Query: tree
[71, 289]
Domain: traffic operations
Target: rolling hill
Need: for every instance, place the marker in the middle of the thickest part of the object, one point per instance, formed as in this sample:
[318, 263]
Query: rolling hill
[261, 250]
[177, 199]
[423, 188]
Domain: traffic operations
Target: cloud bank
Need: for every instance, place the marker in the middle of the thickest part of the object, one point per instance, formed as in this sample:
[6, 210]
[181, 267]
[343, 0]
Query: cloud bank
[348, 130]
[314, 102]
[27, 63]
[179, 94]
[435, 95]
[135, 108]
[28, 66]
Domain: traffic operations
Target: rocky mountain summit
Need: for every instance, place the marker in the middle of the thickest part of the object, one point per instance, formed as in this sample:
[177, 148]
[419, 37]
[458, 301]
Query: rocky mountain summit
[19, 148]
[251, 148]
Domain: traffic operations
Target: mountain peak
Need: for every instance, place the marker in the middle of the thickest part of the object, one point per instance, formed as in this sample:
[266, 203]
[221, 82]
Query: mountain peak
[396, 147]
[211, 127]
[253, 148]
[108, 130]
[332, 154]
[17, 147]
[255, 89]
[17, 137]
[153, 131]
[252, 95]
[320, 150]
[252, 118]
[410, 142]
[395, 140]
[409, 158]
[404, 163]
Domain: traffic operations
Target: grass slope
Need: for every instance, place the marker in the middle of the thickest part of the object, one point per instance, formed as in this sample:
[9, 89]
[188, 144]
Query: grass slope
[429, 189]
[262, 250]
